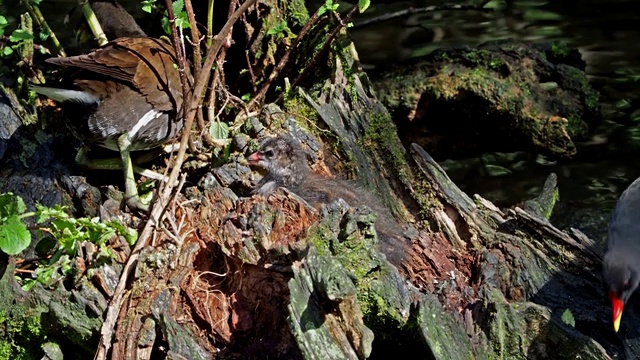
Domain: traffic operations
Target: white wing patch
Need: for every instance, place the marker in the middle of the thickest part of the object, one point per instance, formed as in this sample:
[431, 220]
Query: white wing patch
[144, 121]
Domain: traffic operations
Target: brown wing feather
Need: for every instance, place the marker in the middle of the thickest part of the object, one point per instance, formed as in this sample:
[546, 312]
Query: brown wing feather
[146, 63]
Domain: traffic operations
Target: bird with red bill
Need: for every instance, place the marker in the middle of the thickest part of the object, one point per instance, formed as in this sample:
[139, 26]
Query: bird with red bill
[621, 265]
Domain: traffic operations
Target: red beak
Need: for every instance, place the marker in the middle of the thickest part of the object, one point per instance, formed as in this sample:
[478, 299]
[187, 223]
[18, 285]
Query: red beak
[617, 305]
[254, 158]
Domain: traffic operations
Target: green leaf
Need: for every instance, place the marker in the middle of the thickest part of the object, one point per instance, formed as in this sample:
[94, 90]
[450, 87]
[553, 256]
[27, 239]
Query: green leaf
[14, 236]
[11, 205]
[44, 213]
[219, 130]
[20, 35]
[278, 28]
[131, 235]
[363, 5]
[165, 25]
[182, 20]
[567, 318]
[147, 5]
[178, 6]
[7, 50]
[44, 35]
[27, 284]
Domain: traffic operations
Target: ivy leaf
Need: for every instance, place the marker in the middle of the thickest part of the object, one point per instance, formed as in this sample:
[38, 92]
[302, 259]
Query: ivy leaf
[219, 130]
[14, 236]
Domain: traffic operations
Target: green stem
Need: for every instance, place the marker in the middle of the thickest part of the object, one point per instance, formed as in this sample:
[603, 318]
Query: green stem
[210, 23]
[37, 15]
[93, 22]
[25, 215]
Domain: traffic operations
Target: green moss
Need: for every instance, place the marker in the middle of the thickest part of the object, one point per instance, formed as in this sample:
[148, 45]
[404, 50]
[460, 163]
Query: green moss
[295, 104]
[381, 138]
[484, 59]
[575, 123]
[297, 12]
[22, 335]
[421, 194]
[559, 49]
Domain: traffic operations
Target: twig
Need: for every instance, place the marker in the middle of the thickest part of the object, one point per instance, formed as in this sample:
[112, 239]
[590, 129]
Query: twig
[324, 49]
[253, 77]
[197, 63]
[155, 216]
[195, 37]
[285, 59]
[37, 15]
[412, 11]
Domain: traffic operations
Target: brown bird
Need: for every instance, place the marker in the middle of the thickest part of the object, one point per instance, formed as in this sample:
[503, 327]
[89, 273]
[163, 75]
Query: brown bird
[127, 96]
[285, 165]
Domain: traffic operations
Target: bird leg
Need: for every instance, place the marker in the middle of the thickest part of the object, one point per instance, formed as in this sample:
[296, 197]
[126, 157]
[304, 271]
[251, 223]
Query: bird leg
[130, 190]
[82, 159]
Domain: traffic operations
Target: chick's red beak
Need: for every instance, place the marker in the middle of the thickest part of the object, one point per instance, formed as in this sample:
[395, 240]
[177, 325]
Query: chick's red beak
[617, 305]
[254, 158]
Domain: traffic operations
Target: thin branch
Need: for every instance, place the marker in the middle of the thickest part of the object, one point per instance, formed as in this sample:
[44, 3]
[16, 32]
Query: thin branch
[36, 14]
[157, 211]
[285, 59]
[325, 49]
[421, 10]
[195, 37]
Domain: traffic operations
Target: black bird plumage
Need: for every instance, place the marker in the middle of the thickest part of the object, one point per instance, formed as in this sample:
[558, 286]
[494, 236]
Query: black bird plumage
[285, 165]
[621, 265]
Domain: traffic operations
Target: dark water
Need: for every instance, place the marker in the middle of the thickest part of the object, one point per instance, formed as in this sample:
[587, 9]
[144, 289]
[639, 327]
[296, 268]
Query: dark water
[606, 34]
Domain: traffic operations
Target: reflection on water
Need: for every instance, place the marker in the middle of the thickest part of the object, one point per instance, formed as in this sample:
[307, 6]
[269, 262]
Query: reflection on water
[605, 33]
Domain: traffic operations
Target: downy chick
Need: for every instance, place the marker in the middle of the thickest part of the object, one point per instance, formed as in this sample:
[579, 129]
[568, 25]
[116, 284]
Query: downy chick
[285, 165]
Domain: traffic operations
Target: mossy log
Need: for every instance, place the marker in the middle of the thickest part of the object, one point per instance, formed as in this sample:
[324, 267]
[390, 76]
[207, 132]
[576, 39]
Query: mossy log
[500, 96]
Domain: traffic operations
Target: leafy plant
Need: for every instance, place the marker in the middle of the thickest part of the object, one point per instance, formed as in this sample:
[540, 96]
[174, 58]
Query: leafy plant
[67, 232]
[14, 235]
[329, 5]
[280, 30]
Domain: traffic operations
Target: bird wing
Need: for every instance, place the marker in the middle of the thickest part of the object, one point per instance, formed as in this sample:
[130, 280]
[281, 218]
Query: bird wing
[148, 64]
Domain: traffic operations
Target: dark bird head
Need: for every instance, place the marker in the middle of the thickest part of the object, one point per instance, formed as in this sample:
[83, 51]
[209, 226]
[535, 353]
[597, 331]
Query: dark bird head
[284, 162]
[621, 278]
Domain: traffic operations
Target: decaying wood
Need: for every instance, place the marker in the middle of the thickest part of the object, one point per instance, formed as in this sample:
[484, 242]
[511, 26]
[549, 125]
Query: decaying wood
[229, 275]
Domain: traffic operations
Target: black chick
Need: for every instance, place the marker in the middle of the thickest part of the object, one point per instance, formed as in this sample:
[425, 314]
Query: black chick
[285, 165]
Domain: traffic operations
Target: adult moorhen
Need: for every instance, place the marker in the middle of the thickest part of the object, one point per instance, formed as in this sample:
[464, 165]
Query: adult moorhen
[621, 266]
[127, 96]
[285, 165]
